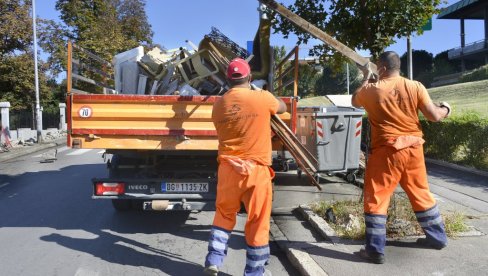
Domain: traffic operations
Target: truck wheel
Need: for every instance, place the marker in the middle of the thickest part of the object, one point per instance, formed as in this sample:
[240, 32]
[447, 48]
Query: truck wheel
[122, 205]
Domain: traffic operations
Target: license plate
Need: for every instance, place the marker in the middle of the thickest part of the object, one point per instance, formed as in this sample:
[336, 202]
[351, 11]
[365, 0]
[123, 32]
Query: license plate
[184, 187]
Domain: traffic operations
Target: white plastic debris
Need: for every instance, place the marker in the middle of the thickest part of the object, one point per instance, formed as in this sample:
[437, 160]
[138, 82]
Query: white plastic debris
[187, 90]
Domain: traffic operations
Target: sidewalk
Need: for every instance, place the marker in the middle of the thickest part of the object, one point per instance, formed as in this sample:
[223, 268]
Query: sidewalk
[314, 254]
[18, 151]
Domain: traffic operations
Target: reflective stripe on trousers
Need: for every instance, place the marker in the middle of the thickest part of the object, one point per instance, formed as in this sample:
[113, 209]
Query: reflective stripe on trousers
[431, 222]
[375, 233]
[256, 258]
[217, 246]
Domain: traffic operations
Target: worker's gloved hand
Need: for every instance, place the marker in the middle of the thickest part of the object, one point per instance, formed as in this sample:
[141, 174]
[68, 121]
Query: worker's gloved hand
[368, 73]
[447, 106]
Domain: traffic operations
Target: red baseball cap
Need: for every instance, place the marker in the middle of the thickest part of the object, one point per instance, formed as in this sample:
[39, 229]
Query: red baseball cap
[238, 69]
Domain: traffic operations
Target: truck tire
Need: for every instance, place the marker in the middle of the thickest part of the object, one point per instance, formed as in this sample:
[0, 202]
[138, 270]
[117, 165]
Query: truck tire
[122, 205]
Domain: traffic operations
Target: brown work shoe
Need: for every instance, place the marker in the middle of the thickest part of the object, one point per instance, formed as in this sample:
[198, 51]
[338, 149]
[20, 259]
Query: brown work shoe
[373, 257]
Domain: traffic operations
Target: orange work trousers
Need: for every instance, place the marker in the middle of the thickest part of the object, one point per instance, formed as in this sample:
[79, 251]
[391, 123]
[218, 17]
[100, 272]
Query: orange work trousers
[386, 168]
[255, 191]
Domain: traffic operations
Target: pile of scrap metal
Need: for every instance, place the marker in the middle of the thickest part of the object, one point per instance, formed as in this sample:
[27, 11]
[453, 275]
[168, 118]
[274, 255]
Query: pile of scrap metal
[189, 72]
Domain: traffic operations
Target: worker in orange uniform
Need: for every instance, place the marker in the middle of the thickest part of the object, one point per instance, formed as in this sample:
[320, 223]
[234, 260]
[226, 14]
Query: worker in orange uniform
[392, 104]
[242, 118]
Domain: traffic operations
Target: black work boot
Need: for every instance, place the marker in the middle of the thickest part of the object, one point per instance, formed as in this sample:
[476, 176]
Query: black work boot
[373, 257]
[426, 243]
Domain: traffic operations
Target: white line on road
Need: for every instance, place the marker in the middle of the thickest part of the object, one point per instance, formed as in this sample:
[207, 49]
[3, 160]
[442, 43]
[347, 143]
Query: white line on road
[100, 152]
[4, 184]
[79, 152]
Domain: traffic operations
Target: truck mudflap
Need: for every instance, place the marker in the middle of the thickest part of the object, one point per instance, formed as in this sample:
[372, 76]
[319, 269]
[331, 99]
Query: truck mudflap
[159, 194]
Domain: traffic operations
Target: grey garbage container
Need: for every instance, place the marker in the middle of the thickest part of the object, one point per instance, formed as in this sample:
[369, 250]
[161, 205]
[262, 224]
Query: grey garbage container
[333, 135]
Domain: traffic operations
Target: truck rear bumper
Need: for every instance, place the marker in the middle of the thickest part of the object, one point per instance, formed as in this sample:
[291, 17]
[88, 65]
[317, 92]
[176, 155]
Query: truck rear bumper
[166, 205]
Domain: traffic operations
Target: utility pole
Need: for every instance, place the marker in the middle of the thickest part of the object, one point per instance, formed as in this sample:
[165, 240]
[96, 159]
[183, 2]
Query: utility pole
[409, 58]
[347, 76]
[36, 77]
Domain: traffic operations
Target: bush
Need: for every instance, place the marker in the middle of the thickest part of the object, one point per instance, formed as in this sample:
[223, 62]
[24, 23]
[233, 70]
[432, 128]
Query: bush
[460, 139]
[476, 75]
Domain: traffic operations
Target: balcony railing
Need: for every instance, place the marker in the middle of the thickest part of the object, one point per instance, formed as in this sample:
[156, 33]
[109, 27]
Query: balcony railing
[470, 48]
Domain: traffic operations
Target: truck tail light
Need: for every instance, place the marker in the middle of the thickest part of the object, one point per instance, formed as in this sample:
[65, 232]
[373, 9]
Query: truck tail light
[104, 188]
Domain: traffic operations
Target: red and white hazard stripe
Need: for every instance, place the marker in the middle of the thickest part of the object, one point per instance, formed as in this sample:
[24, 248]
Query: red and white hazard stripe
[320, 131]
[358, 128]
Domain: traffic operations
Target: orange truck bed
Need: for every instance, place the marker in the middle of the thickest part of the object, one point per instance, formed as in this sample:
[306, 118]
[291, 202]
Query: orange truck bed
[143, 122]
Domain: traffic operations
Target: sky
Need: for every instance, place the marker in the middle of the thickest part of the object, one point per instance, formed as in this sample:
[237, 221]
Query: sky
[173, 22]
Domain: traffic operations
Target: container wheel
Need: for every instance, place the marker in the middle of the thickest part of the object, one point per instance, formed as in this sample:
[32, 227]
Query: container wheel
[351, 177]
[122, 205]
[285, 166]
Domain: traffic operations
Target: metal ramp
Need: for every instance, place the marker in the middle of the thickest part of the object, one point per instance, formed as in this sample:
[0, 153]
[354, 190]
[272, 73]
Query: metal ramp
[303, 157]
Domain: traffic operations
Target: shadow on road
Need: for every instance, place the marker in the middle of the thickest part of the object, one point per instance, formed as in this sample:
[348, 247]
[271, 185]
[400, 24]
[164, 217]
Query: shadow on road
[61, 200]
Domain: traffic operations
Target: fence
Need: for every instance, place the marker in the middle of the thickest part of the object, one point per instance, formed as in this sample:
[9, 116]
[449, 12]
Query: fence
[22, 119]
[26, 119]
[50, 118]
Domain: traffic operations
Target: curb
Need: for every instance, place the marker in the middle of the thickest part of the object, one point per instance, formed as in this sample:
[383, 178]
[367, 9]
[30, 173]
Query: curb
[319, 224]
[18, 152]
[456, 167]
[299, 259]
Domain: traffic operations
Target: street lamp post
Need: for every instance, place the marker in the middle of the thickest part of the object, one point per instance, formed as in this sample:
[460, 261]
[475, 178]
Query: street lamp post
[36, 77]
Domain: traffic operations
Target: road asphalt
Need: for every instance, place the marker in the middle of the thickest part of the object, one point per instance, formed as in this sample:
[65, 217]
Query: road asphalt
[314, 250]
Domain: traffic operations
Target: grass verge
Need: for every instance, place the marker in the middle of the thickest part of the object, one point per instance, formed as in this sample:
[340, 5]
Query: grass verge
[347, 219]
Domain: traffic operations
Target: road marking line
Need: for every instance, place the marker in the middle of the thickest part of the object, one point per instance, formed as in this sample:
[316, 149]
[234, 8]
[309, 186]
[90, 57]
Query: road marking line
[4, 184]
[100, 152]
[79, 152]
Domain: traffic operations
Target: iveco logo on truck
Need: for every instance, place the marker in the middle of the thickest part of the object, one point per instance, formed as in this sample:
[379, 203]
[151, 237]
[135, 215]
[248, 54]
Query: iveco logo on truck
[137, 187]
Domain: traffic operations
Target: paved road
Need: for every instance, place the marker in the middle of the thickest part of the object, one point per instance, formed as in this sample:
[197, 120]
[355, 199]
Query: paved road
[468, 190]
[49, 225]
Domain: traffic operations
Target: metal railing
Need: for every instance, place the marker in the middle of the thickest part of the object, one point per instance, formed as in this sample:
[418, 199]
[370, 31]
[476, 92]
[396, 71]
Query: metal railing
[287, 75]
[470, 48]
[21, 119]
[83, 75]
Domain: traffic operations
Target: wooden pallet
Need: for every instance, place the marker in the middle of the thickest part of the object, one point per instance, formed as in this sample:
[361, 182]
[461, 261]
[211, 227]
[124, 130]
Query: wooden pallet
[304, 159]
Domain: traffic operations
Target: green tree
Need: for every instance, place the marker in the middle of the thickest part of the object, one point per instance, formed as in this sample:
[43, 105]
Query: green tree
[444, 66]
[15, 26]
[359, 24]
[308, 76]
[133, 20]
[106, 27]
[333, 81]
[422, 61]
[17, 83]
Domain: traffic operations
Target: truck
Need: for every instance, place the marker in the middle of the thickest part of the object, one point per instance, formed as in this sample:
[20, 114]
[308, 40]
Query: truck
[161, 145]
[159, 134]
